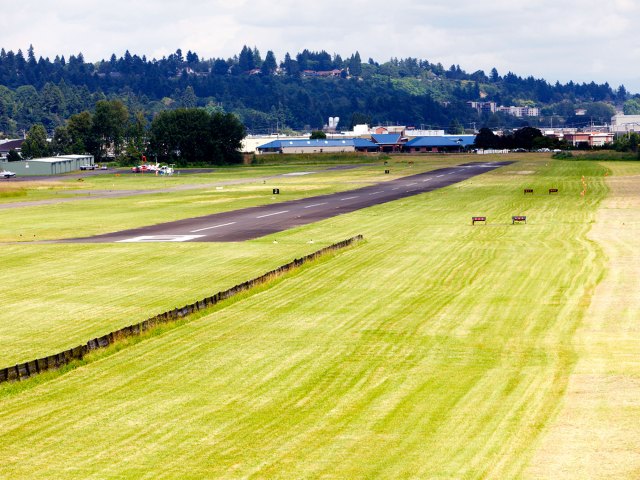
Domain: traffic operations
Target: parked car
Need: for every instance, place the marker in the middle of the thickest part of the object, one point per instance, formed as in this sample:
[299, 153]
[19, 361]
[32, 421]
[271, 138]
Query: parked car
[87, 167]
[7, 174]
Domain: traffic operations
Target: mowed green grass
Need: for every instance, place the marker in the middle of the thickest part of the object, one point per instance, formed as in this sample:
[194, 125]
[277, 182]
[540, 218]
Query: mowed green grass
[433, 350]
[55, 297]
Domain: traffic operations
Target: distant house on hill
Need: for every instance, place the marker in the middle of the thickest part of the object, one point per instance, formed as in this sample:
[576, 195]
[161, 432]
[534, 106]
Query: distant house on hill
[322, 73]
[9, 145]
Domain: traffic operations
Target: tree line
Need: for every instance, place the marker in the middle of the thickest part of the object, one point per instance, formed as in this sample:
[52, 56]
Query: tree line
[268, 93]
[181, 136]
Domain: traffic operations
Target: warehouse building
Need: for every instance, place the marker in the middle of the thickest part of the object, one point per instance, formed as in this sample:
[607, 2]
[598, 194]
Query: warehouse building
[440, 144]
[48, 166]
[318, 146]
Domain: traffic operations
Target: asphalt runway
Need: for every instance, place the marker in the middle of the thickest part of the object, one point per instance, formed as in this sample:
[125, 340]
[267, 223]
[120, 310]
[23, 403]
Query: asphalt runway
[255, 222]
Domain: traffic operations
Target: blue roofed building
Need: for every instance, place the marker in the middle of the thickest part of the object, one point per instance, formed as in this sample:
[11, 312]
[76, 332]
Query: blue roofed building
[388, 142]
[309, 146]
[440, 144]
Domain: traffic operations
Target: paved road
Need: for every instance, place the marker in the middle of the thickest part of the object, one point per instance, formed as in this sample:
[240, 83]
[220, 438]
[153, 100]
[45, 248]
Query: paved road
[256, 222]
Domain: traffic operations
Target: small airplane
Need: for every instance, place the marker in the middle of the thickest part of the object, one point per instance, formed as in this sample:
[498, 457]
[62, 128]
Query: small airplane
[7, 174]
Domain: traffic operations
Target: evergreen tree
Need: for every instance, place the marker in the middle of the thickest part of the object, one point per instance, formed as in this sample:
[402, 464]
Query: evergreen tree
[355, 65]
[269, 65]
[220, 67]
[291, 67]
[189, 99]
[245, 60]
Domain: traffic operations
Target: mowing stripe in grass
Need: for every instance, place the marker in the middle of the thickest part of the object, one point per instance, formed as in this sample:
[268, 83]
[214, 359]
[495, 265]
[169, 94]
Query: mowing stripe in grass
[52, 362]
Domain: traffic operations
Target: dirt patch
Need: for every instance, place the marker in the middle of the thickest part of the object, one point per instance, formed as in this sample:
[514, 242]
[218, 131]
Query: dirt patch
[597, 434]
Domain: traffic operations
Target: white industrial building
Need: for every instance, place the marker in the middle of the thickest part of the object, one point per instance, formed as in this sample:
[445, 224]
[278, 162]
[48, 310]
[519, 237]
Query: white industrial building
[621, 123]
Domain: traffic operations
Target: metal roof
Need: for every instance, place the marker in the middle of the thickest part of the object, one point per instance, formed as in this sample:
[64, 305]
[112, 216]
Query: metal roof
[50, 160]
[364, 143]
[11, 145]
[74, 156]
[387, 138]
[347, 142]
[442, 141]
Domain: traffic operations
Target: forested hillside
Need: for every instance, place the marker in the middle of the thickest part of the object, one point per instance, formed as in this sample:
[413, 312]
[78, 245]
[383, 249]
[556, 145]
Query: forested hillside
[298, 92]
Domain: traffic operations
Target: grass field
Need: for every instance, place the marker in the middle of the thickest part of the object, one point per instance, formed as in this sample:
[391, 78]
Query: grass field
[432, 350]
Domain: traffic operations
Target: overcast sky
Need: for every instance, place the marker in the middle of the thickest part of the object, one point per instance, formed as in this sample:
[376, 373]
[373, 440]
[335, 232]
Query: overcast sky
[561, 40]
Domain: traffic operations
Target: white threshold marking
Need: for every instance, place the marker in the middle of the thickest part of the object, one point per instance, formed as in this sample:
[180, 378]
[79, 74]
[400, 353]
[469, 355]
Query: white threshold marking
[349, 198]
[316, 205]
[297, 174]
[211, 228]
[272, 214]
[161, 238]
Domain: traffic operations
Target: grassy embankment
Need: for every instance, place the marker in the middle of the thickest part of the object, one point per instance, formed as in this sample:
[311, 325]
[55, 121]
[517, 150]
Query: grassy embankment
[436, 349]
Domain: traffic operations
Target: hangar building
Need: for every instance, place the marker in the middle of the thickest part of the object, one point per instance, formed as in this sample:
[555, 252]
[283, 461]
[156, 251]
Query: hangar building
[48, 166]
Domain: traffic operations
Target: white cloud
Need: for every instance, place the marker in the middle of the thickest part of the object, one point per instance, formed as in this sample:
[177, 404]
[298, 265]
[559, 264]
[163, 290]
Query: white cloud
[580, 40]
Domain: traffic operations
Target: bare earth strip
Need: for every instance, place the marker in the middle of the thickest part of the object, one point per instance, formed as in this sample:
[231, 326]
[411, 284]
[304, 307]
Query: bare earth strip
[597, 432]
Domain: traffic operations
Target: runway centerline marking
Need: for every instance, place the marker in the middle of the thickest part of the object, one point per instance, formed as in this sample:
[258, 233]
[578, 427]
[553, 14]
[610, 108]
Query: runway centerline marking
[349, 198]
[409, 184]
[160, 238]
[438, 176]
[375, 193]
[316, 205]
[211, 228]
[272, 214]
